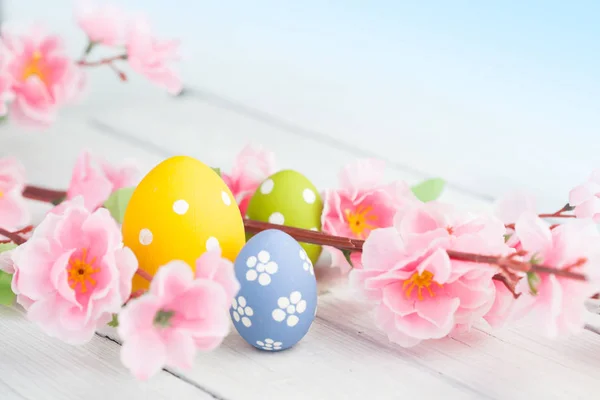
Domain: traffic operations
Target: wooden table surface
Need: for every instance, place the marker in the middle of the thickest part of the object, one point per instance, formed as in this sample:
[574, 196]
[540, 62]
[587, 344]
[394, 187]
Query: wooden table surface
[314, 126]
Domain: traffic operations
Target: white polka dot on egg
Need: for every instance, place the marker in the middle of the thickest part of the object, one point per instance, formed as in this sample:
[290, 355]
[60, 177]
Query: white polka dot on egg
[267, 186]
[180, 207]
[309, 196]
[276, 218]
[226, 198]
[212, 243]
[146, 237]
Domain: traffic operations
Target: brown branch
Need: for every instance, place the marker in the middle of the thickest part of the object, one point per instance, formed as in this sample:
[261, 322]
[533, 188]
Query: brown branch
[43, 194]
[557, 214]
[342, 243]
[14, 237]
[104, 61]
[145, 275]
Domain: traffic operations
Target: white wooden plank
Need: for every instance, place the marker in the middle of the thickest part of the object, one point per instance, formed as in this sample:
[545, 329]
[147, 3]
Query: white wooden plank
[489, 368]
[34, 366]
[329, 363]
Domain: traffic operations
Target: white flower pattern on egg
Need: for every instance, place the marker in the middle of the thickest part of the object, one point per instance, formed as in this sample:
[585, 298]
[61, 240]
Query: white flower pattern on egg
[241, 311]
[288, 308]
[269, 344]
[306, 264]
[261, 267]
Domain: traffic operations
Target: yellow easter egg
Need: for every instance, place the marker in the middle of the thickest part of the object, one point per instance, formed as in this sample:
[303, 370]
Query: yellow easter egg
[180, 209]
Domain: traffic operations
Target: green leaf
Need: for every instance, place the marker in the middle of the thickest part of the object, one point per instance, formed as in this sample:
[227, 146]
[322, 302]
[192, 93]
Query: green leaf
[347, 254]
[507, 237]
[117, 203]
[7, 297]
[7, 246]
[217, 170]
[58, 201]
[429, 190]
[115, 321]
[533, 280]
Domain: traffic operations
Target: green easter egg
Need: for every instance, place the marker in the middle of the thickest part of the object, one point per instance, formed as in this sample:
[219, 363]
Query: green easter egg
[289, 198]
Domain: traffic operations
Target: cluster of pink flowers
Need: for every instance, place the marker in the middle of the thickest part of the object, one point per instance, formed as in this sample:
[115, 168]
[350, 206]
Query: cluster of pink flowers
[38, 77]
[181, 314]
[421, 293]
[94, 179]
[74, 274]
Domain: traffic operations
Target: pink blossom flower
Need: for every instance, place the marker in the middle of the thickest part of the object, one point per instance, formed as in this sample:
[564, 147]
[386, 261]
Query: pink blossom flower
[361, 204]
[43, 78]
[102, 23]
[586, 198]
[509, 208]
[179, 315]
[252, 166]
[13, 208]
[94, 179]
[559, 305]
[73, 273]
[419, 292]
[503, 307]
[150, 56]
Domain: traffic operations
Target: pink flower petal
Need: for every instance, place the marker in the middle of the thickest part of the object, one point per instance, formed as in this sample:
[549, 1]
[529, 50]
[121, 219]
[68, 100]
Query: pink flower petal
[213, 267]
[438, 310]
[438, 263]
[171, 279]
[510, 207]
[138, 315]
[394, 298]
[383, 250]
[127, 265]
[144, 354]
[181, 350]
[208, 343]
[385, 320]
[362, 175]
[533, 233]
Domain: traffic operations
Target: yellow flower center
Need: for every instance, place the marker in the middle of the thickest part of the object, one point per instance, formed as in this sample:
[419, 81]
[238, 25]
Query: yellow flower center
[35, 67]
[1, 194]
[360, 220]
[81, 271]
[421, 281]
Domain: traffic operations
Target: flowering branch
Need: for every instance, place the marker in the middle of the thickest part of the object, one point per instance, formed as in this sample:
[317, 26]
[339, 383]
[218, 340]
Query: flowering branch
[104, 61]
[558, 214]
[348, 244]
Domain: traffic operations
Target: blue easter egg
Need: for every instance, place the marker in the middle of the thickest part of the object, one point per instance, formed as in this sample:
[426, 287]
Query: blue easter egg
[277, 301]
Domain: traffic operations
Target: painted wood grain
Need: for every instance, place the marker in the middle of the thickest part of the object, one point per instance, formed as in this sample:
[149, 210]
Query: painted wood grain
[34, 366]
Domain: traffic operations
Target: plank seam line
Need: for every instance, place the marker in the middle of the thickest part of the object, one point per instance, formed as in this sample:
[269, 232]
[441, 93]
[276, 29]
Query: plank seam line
[172, 373]
[236, 107]
[122, 135]
[404, 354]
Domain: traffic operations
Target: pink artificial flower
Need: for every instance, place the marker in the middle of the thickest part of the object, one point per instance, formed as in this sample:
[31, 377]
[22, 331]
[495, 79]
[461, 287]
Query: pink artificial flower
[73, 273]
[150, 57]
[361, 204]
[420, 292]
[94, 179]
[43, 78]
[103, 24]
[13, 208]
[502, 309]
[586, 198]
[509, 208]
[179, 315]
[252, 166]
[559, 305]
